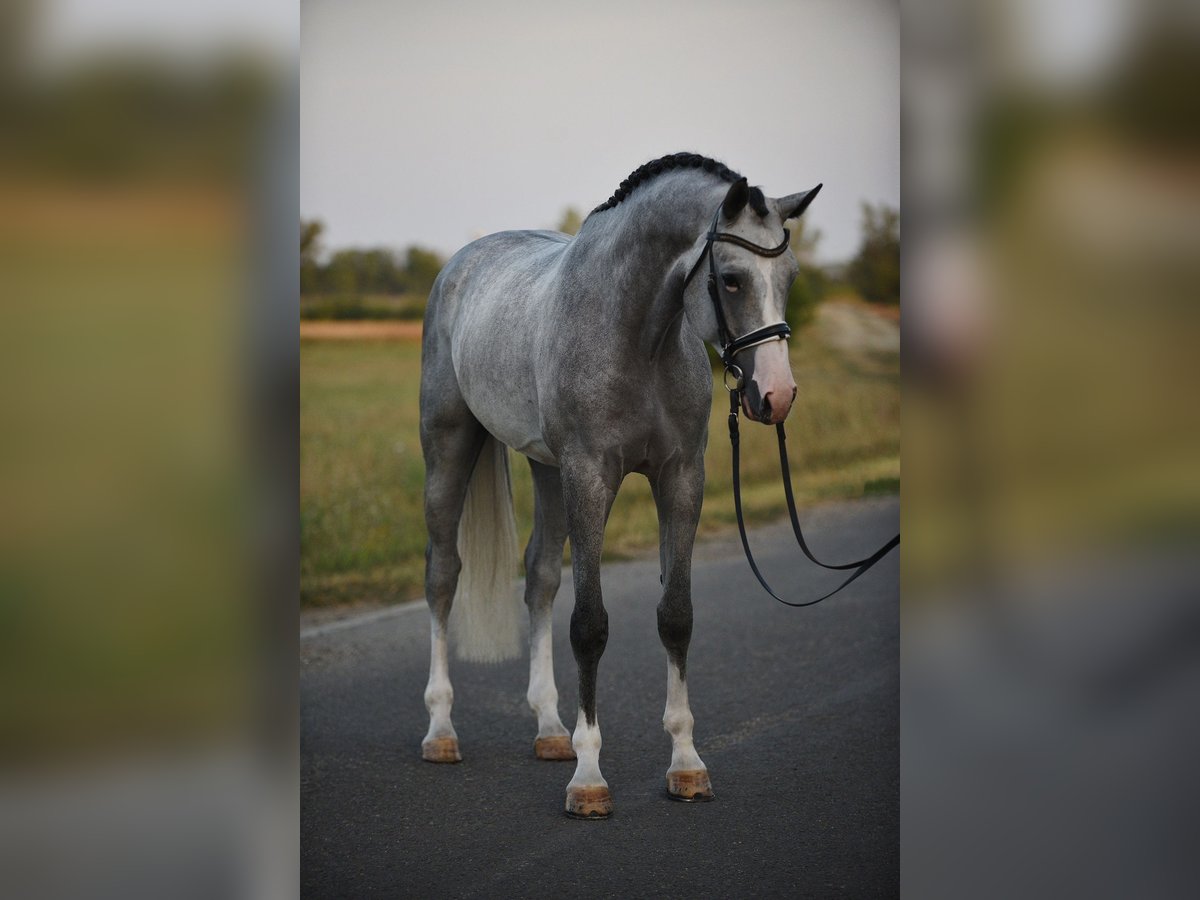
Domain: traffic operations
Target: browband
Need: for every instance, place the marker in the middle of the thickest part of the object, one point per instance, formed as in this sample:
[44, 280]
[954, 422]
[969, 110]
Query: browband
[742, 242]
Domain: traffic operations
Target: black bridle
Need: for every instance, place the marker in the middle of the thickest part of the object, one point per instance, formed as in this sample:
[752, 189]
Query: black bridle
[730, 347]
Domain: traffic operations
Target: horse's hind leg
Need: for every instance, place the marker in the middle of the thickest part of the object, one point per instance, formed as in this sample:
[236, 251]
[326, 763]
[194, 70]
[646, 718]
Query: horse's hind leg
[451, 439]
[678, 492]
[543, 572]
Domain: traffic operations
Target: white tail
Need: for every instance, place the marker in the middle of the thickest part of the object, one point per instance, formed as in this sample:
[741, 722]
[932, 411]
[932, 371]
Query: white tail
[486, 617]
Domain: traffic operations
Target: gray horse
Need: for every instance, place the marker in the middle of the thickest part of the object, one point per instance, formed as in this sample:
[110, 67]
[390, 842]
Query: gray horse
[586, 355]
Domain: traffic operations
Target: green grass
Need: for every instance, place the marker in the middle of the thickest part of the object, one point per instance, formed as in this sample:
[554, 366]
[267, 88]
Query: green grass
[361, 477]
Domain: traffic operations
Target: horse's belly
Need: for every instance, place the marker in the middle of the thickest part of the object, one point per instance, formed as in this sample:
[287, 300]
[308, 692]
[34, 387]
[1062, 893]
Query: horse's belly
[503, 399]
[523, 436]
[494, 341]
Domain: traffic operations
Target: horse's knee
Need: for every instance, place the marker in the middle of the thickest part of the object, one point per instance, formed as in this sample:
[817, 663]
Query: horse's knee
[589, 632]
[589, 635]
[675, 625]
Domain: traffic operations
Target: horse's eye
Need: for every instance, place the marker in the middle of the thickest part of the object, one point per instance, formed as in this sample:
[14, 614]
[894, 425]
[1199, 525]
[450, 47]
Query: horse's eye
[731, 284]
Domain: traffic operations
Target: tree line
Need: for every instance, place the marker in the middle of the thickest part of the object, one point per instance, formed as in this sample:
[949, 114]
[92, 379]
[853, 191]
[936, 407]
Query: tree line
[376, 270]
[383, 283]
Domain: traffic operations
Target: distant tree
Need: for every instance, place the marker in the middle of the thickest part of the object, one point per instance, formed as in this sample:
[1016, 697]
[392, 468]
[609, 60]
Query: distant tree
[875, 271]
[571, 221]
[422, 267]
[310, 238]
[341, 274]
[310, 246]
[378, 272]
[811, 284]
[350, 276]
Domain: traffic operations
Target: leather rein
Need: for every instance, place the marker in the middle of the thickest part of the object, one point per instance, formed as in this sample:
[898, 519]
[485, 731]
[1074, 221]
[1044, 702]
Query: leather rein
[731, 346]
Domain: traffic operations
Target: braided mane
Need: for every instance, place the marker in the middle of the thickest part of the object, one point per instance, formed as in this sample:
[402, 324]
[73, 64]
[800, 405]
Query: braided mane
[667, 163]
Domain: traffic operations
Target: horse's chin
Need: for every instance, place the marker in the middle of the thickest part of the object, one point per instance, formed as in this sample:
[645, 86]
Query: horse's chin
[753, 416]
[750, 414]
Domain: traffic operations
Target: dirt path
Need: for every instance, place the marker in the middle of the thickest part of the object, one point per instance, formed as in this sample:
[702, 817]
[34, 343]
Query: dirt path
[360, 330]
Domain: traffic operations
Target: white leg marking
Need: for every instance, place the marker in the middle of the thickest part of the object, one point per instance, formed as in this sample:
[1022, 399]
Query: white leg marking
[677, 722]
[543, 694]
[439, 695]
[586, 742]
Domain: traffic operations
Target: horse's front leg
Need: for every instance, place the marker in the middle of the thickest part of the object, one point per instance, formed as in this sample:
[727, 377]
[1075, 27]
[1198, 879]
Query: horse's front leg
[678, 493]
[588, 494]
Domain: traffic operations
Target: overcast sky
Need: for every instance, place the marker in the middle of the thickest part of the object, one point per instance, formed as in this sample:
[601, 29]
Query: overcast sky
[434, 123]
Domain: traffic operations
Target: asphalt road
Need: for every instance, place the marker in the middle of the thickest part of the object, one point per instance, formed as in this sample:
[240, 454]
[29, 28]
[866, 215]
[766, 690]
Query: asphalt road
[796, 717]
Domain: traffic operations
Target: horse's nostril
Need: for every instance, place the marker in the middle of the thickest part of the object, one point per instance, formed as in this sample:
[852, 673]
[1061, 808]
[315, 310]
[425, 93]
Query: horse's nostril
[766, 408]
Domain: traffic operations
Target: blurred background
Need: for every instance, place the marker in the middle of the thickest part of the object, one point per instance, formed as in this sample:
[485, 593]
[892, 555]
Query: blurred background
[148, 168]
[1051, 632]
[150, 552]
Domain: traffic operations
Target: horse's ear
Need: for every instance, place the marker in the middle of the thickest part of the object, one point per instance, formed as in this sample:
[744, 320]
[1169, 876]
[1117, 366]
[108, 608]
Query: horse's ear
[791, 206]
[735, 201]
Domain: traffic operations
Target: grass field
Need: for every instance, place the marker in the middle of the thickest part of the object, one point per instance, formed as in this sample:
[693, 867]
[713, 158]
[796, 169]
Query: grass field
[362, 529]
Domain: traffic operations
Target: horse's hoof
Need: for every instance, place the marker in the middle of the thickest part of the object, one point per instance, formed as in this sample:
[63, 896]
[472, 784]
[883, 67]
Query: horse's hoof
[441, 750]
[589, 803]
[689, 785]
[557, 747]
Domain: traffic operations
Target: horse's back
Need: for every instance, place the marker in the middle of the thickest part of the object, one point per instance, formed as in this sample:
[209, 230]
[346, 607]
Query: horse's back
[500, 264]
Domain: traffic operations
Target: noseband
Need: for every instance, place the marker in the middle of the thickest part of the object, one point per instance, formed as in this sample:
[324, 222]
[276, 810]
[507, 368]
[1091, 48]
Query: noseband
[731, 346]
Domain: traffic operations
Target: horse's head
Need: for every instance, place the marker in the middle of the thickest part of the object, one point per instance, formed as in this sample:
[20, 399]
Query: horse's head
[750, 270]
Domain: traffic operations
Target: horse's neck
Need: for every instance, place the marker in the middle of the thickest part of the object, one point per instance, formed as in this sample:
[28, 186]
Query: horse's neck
[636, 254]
